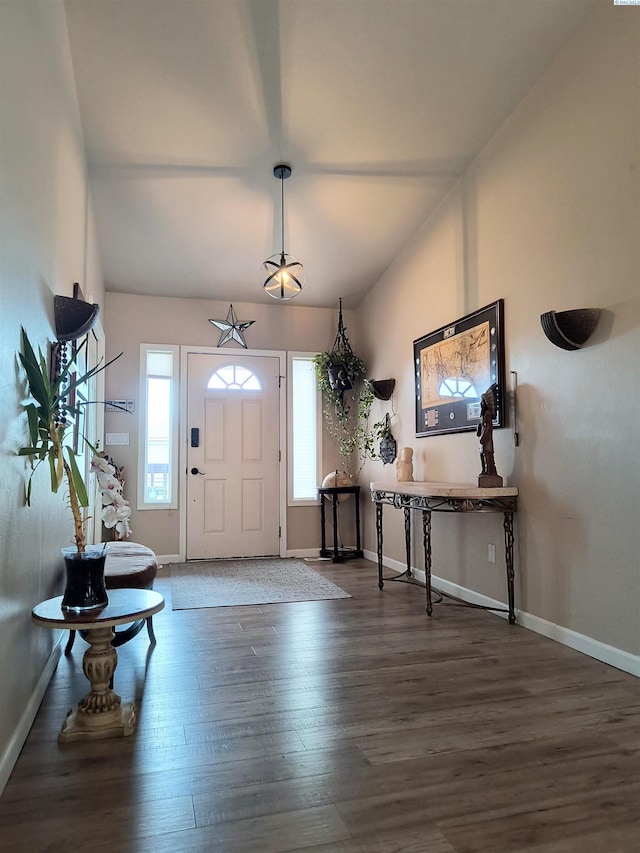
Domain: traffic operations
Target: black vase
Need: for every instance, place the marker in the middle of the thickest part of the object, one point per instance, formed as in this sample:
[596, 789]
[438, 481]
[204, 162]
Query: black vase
[338, 378]
[85, 589]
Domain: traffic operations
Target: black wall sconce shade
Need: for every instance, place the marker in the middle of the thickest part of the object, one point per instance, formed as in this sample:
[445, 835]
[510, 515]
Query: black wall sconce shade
[382, 389]
[73, 317]
[570, 330]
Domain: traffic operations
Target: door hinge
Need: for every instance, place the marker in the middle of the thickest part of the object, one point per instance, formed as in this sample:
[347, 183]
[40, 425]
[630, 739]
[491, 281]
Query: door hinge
[279, 532]
[279, 456]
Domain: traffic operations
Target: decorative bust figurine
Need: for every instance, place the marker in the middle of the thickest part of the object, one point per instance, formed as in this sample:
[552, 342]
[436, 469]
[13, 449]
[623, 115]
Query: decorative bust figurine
[404, 466]
[489, 477]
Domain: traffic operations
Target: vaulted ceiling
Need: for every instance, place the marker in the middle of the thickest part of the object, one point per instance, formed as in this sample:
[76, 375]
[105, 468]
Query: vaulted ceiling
[378, 105]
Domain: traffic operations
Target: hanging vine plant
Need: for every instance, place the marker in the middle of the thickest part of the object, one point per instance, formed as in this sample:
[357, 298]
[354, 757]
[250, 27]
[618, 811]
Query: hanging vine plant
[347, 399]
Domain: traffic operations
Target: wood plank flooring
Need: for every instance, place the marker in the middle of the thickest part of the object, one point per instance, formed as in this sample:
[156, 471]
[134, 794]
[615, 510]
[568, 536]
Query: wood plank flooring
[345, 726]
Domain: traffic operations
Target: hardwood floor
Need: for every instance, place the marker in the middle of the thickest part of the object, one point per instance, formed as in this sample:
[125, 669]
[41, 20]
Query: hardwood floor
[345, 726]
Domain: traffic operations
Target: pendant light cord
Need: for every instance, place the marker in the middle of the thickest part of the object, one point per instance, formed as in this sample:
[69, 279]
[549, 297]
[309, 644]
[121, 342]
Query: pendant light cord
[282, 208]
[283, 277]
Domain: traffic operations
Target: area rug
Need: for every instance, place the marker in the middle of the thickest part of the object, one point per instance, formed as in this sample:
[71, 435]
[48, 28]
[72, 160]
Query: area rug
[229, 583]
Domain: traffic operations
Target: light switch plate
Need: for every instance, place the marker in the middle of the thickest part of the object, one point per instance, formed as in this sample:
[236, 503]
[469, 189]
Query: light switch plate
[114, 438]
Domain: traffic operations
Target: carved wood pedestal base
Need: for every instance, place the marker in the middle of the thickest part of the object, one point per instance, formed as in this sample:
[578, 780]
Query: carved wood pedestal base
[101, 713]
[119, 724]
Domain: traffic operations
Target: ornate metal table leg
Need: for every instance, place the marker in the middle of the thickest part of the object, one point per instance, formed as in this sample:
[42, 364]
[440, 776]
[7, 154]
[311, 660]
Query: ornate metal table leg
[334, 507]
[379, 542]
[426, 538]
[508, 543]
[100, 714]
[407, 538]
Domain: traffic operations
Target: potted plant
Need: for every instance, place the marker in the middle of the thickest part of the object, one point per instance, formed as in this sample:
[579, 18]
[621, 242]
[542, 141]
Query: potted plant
[346, 396]
[339, 369]
[50, 441]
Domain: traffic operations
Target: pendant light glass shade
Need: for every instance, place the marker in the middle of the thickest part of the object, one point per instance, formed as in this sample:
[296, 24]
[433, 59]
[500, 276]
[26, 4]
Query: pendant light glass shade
[282, 275]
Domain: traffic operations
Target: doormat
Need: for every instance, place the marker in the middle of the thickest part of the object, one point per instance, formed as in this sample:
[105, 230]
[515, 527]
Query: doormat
[230, 583]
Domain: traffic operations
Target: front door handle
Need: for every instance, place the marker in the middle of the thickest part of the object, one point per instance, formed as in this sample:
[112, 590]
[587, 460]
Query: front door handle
[195, 471]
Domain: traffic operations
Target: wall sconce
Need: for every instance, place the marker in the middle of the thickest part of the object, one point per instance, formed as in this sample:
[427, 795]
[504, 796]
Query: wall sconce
[382, 389]
[570, 330]
[73, 316]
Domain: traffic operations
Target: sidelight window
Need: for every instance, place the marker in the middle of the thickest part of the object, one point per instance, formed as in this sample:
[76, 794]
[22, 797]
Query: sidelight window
[158, 456]
[305, 430]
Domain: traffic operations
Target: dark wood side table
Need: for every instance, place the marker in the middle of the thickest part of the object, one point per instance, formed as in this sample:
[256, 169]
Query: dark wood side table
[337, 553]
[101, 714]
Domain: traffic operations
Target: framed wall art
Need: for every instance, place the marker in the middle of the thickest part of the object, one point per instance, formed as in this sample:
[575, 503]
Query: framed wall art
[454, 366]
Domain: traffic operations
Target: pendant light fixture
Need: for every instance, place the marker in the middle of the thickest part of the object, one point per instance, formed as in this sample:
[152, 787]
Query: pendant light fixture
[282, 276]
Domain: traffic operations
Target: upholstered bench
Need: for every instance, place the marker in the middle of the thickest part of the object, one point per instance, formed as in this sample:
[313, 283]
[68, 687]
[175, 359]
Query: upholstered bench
[131, 566]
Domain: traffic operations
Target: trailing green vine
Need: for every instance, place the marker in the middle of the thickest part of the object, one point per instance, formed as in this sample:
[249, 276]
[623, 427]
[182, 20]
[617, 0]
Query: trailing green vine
[347, 400]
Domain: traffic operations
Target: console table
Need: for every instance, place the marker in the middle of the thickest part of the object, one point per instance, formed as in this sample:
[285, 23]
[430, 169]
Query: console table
[338, 554]
[444, 497]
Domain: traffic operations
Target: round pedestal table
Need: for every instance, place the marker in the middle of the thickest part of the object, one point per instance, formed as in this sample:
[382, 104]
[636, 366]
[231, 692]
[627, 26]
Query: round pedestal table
[101, 714]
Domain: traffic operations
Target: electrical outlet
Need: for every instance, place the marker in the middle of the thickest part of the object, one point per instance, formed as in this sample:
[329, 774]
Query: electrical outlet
[492, 553]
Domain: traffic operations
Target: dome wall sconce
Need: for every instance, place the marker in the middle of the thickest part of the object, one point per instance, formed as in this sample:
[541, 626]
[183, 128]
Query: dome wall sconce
[282, 276]
[570, 330]
[382, 389]
[73, 316]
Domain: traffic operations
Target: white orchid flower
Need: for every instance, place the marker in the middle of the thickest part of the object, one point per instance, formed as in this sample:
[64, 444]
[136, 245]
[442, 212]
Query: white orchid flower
[115, 508]
[108, 481]
[123, 529]
[109, 517]
[99, 463]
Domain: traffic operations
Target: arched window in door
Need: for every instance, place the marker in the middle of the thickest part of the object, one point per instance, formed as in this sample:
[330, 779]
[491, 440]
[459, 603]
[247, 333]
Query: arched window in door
[234, 377]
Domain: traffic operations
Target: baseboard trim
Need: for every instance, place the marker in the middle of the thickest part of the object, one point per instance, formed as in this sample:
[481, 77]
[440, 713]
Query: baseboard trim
[611, 655]
[582, 643]
[311, 553]
[17, 741]
[165, 559]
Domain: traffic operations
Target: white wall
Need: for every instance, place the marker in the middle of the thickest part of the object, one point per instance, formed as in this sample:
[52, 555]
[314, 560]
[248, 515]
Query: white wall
[44, 217]
[548, 218]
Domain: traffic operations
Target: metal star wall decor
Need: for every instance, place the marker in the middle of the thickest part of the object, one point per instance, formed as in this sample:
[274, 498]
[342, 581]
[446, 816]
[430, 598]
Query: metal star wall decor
[232, 329]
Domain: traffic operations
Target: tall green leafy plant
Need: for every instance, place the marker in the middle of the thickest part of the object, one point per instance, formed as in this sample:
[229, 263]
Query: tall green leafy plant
[49, 432]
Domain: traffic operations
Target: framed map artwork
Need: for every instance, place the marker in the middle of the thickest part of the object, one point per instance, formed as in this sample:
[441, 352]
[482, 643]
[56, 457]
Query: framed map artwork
[454, 366]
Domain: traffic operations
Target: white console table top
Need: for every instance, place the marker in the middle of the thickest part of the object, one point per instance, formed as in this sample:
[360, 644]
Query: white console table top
[443, 490]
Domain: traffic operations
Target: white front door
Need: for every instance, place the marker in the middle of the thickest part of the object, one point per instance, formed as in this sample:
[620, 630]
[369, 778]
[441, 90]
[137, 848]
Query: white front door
[233, 459]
